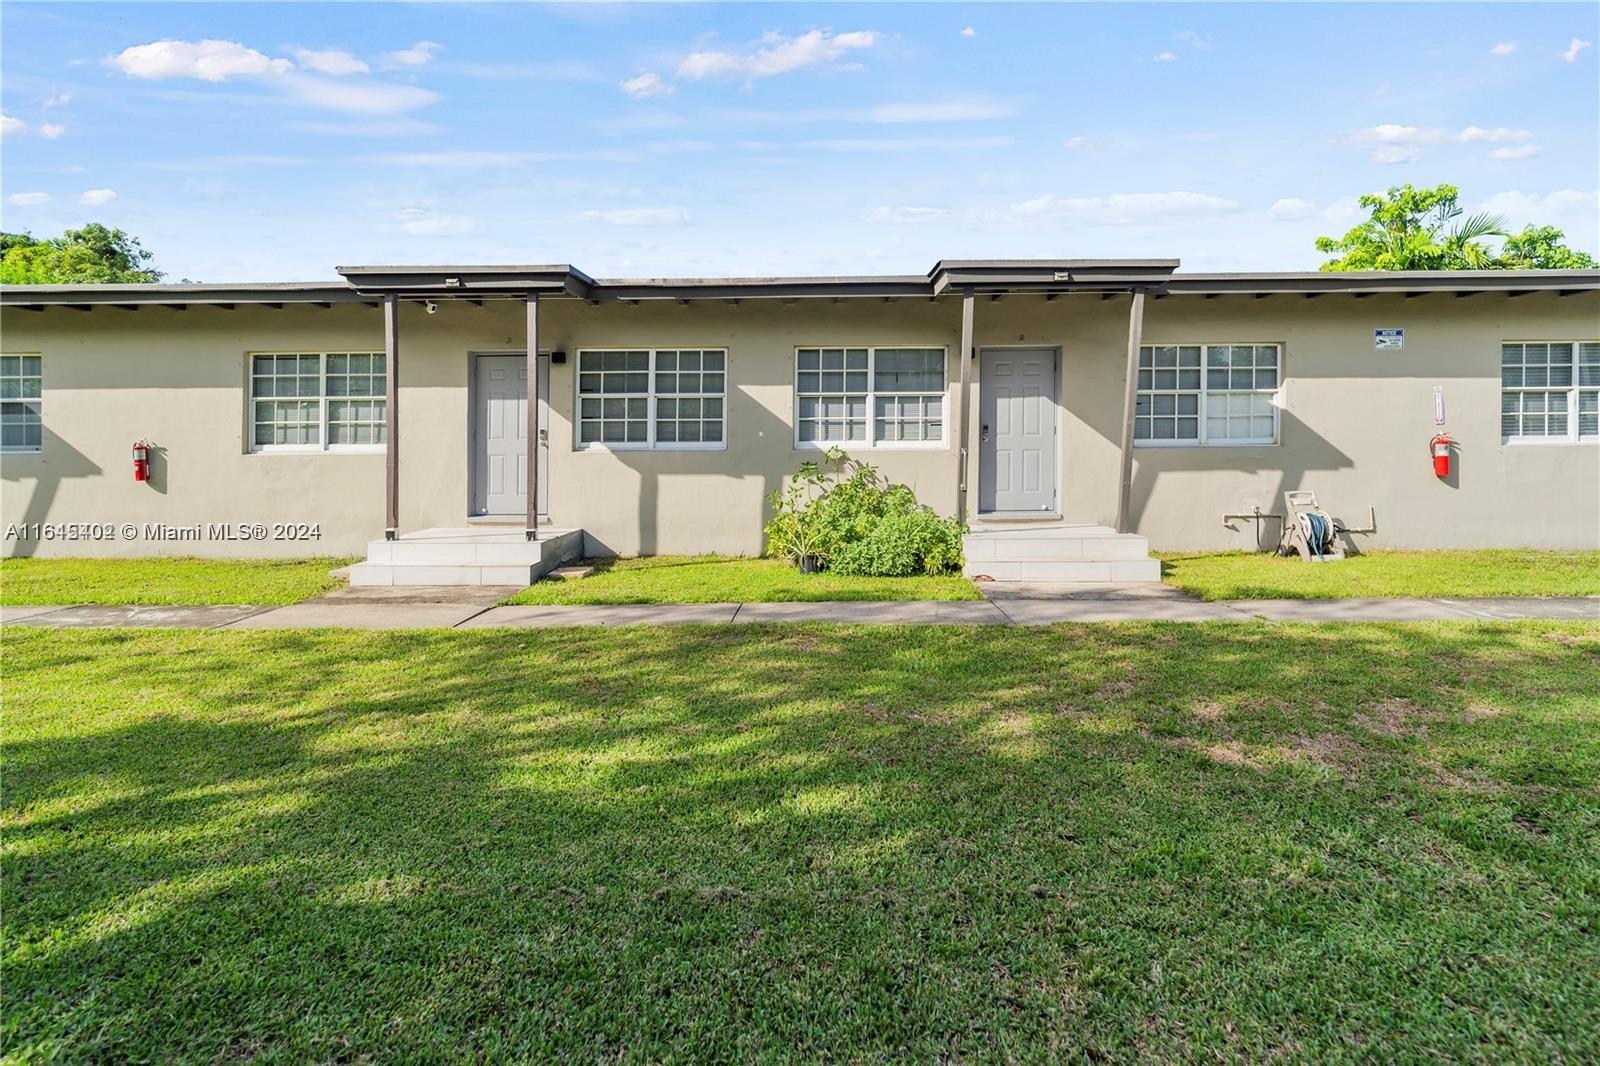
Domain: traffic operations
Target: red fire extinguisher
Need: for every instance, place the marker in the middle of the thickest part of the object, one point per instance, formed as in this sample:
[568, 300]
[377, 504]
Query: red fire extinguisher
[141, 460]
[1440, 446]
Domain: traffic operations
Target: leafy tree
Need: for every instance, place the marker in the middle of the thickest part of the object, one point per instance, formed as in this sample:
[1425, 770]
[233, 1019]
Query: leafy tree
[1427, 229]
[94, 253]
[1541, 248]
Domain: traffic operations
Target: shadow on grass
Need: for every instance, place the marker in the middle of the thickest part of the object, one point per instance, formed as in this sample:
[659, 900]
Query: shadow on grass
[778, 842]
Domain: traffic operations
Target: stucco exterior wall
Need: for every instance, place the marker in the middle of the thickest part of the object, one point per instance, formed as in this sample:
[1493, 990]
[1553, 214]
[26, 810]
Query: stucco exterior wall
[1355, 422]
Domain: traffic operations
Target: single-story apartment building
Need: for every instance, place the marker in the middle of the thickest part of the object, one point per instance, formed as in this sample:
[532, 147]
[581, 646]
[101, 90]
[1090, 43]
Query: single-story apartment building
[656, 415]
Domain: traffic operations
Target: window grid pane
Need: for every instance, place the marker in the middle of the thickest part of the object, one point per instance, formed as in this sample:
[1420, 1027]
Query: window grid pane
[21, 403]
[825, 411]
[869, 396]
[317, 399]
[1234, 382]
[614, 396]
[1549, 390]
[689, 386]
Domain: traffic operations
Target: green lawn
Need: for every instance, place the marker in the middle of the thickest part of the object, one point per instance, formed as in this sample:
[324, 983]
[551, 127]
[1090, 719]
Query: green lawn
[724, 579]
[1499, 572]
[190, 582]
[1140, 842]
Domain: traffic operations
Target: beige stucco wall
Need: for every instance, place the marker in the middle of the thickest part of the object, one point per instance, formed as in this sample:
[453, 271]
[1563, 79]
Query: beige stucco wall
[1355, 422]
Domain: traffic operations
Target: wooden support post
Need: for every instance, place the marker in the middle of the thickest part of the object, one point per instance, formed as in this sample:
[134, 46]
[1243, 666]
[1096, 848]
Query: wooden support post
[1125, 486]
[391, 417]
[964, 427]
[533, 416]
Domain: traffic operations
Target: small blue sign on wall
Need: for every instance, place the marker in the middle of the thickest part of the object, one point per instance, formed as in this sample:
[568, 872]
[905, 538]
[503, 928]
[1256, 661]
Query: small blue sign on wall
[1388, 339]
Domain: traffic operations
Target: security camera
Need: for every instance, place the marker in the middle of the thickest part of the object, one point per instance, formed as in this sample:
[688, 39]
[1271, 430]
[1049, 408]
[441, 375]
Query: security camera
[432, 307]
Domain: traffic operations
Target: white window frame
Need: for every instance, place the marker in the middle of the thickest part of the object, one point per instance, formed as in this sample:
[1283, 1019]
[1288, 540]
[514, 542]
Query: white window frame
[322, 444]
[649, 443]
[1275, 396]
[36, 401]
[1572, 436]
[872, 394]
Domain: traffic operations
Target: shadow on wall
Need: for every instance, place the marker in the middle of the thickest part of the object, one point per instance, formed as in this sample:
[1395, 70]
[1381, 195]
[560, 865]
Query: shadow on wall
[1302, 454]
[760, 446]
[54, 463]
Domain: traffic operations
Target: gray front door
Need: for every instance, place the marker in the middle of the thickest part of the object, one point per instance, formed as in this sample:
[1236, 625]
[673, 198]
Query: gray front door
[1017, 430]
[500, 435]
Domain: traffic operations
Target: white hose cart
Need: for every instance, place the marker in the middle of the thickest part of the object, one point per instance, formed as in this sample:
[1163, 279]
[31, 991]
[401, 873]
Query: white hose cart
[1309, 530]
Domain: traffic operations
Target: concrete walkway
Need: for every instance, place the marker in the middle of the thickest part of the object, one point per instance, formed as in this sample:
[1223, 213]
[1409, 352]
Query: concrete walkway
[1004, 603]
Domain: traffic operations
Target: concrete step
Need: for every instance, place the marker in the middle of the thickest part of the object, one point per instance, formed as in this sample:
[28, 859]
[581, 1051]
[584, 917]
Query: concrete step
[470, 556]
[1066, 570]
[1020, 546]
[375, 574]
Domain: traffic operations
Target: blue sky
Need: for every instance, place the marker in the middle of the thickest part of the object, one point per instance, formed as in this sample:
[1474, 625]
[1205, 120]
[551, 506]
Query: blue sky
[273, 141]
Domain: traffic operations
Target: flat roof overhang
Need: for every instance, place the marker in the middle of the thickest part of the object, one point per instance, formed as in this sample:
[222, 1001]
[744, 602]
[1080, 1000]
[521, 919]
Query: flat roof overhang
[445, 282]
[135, 296]
[369, 284]
[1049, 275]
[1369, 282]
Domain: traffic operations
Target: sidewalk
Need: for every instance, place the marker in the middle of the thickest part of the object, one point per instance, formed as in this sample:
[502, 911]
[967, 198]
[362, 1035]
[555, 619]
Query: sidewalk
[1002, 605]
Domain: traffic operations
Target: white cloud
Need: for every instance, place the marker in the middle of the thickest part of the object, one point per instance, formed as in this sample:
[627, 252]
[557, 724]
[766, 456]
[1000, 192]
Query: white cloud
[1519, 204]
[1382, 90]
[1291, 209]
[58, 100]
[1075, 142]
[1393, 133]
[362, 98]
[1394, 143]
[1163, 57]
[968, 31]
[780, 55]
[905, 214]
[206, 60]
[1522, 151]
[97, 197]
[637, 216]
[1197, 40]
[1344, 212]
[1574, 49]
[418, 55]
[1504, 48]
[1498, 135]
[12, 126]
[1122, 208]
[29, 199]
[422, 223]
[645, 86]
[330, 61]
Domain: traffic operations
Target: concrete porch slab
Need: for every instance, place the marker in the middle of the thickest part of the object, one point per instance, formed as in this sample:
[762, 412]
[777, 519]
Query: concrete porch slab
[313, 615]
[101, 616]
[623, 614]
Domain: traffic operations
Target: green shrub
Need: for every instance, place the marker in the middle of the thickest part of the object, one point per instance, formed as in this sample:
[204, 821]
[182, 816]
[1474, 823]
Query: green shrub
[915, 541]
[852, 520]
